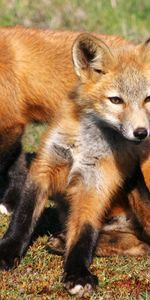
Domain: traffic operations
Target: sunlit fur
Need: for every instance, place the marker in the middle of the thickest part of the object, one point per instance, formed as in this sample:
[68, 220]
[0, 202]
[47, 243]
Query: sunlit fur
[124, 74]
[88, 158]
[101, 153]
[36, 74]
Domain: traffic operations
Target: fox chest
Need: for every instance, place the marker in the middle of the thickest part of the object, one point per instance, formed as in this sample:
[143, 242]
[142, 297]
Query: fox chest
[93, 150]
[88, 150]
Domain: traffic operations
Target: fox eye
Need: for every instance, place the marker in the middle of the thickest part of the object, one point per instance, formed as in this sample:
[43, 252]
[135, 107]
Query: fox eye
[116, 100]
[147, 99]
[99, 71]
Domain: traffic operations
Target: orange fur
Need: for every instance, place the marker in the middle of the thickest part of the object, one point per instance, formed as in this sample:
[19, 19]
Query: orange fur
[84, 202]
[36, 76]
[36, 73]
[90, 94]
[89, 155]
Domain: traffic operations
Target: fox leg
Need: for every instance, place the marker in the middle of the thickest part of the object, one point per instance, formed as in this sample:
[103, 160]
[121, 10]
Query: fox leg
[112, 243]
[83, 227]
[134, 238]
[124, 235]
[45, 176]
[16, 174]
[88, 204]
[139, 200]
[10, 149]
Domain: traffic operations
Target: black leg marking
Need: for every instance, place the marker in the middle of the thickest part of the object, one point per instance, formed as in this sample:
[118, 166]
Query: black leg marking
[17, 176]
[10, 156]
[77, 278]
[17, 238]
[7, 159]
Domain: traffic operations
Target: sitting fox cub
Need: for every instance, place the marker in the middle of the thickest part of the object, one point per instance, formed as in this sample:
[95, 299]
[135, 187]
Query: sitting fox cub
[89, 156]
[36, 74]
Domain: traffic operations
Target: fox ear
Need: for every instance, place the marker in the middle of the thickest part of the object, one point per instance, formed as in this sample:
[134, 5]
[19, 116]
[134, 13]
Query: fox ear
[90, 54]
[145, 51]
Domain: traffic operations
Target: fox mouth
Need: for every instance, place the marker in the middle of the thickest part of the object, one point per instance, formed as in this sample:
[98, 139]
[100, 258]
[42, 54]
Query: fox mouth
[116, 128]
[137, 142]
[132, 140]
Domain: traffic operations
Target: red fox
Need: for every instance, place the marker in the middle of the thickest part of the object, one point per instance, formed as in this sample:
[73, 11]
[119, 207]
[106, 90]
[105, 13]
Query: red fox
[89, 155]
[36, 74]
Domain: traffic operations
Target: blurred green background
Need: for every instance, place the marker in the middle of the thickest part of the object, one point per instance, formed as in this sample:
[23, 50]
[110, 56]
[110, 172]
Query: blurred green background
[128, 18]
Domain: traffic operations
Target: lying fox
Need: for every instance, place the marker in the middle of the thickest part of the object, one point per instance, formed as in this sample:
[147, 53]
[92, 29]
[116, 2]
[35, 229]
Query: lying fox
[36, 74]
[90, 155]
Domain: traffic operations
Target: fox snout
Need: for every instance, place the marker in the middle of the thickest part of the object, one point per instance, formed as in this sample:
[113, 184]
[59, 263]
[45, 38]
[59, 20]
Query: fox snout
[132, 133]
[135, 124]
[140, 133]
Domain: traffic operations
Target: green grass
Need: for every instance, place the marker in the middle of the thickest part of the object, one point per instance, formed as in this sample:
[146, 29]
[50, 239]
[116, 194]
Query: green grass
[39, 274]
[39, 277]
[128, 18]
[32, 137]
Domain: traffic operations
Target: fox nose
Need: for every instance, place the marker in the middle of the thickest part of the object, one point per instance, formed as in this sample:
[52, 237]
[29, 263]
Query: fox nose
[140, 133]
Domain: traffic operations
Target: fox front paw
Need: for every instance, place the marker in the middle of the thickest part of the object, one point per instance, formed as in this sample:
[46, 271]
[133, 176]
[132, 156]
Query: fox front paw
[81, 286]
[9, 254]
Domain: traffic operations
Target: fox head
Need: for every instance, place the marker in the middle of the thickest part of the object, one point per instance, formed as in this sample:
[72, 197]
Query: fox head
[114, 84]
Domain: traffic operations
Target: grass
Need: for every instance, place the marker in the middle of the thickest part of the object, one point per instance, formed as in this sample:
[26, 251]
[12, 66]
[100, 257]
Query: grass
[128, 18]
[39, 274]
